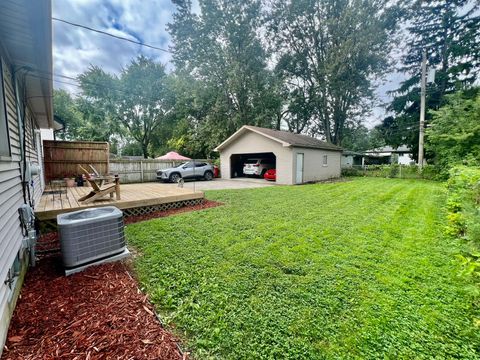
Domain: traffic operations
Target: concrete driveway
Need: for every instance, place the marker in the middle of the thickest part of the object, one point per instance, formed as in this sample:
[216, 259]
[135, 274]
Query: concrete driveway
[223, 184]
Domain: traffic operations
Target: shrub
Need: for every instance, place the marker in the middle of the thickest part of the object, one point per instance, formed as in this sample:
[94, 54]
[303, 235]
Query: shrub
[393, 170]
[456, 224]
[428, 172]
[351, 172]
[463, 205]
[433, 172]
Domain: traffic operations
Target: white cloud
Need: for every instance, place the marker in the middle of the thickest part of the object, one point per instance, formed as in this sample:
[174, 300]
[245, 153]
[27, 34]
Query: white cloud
[75, 49]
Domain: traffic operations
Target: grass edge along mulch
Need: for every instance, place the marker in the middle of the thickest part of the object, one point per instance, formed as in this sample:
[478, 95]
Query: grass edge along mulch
[99, 313]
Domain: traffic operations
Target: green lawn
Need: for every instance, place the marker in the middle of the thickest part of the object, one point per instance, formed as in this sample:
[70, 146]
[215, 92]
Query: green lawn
[358, 269]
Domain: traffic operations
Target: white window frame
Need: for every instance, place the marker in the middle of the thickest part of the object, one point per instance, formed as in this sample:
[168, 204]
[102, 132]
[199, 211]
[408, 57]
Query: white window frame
[325, 160]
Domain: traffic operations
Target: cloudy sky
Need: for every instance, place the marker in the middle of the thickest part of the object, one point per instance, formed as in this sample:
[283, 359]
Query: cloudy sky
[75, 49]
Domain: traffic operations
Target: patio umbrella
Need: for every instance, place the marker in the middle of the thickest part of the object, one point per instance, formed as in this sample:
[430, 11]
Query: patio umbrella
[172, 155]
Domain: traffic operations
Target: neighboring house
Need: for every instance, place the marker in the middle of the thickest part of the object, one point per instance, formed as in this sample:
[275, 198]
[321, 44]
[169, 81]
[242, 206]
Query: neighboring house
[25, 107]
[298, 158]
[352, 158]
[389, 155]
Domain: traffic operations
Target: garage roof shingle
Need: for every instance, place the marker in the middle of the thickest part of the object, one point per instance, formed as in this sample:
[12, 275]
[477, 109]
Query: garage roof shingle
[285, 137]
[297, 140]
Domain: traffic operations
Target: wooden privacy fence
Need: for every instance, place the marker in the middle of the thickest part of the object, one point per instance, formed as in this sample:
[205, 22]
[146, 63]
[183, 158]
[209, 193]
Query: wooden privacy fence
[61, 158]
[135, 171]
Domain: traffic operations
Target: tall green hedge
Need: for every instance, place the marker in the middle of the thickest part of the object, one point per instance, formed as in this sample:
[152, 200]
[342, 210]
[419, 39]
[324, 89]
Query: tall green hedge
[464, 203]
[463, 218]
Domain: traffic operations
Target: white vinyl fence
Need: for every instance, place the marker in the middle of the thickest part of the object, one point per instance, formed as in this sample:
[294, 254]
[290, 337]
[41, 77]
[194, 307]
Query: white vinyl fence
[138, 171]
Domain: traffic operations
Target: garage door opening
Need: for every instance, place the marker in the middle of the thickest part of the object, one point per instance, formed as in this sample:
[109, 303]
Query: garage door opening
[252, 165]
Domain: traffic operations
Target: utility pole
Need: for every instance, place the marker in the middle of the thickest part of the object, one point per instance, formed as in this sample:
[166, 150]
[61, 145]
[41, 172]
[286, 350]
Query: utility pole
[422, 110]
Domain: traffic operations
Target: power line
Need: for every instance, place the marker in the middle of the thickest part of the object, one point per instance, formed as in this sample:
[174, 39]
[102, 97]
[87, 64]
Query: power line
[49, 76]
[109, 34]
[394, 131]
[46, 77]
[404, 128]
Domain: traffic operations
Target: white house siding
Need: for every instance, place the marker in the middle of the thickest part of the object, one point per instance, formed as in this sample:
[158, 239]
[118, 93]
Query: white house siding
[11, 195]
[250, 143]
[313, 168]
[347, 161]
[405, 159]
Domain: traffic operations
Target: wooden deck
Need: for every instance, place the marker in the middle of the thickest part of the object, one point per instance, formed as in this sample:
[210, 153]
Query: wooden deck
[132, 196]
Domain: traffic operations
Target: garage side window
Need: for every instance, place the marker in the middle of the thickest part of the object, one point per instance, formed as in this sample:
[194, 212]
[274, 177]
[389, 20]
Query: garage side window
[325, 160]
[4, 139]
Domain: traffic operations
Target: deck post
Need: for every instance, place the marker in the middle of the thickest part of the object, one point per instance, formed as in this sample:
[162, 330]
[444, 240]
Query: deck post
[117, 187]
[141, 171]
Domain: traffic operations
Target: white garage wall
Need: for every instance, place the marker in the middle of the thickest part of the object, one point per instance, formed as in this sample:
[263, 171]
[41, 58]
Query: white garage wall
[250, 143]
[313, 169]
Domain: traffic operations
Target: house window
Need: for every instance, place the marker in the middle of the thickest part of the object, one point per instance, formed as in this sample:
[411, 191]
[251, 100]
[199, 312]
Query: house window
[325, 160]
[4, 139]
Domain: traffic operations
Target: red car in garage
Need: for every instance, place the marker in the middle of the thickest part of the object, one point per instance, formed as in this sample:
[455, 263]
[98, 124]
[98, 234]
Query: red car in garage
[270, 175]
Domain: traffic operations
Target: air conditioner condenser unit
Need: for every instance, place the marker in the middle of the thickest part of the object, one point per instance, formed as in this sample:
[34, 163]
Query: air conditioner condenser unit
[90, 236]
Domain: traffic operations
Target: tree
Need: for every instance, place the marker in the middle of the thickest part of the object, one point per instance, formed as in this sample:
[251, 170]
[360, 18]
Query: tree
[329, 52]
[449, 32]
[454, 131]
[132, 149]
[397, 133]
[358, 138]
[66, 111]
[83, 119]
[97, 123]
[138, 100]
[223, 54]
[300, 109]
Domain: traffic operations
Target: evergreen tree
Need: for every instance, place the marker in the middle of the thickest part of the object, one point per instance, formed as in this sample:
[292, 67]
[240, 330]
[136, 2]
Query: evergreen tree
[449, 32]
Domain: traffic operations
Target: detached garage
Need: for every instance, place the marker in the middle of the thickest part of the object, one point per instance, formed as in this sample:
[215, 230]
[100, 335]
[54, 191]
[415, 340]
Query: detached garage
[297, 158]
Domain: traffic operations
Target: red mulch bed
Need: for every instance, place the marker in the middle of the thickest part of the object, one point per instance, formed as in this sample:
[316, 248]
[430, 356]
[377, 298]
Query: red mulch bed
[97, 314]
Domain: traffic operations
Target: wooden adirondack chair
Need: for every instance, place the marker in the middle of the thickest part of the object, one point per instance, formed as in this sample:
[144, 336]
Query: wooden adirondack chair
[101, 185]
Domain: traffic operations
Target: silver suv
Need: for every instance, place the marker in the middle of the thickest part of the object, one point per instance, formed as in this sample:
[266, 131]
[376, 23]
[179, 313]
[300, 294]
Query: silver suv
[187, 170]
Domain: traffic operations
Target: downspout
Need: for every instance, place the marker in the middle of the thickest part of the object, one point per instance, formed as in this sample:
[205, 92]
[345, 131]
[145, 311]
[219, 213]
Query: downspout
[25, 179]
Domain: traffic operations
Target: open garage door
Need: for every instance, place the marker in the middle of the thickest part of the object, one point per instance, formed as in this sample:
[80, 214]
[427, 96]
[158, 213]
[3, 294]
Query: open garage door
[251, 165]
